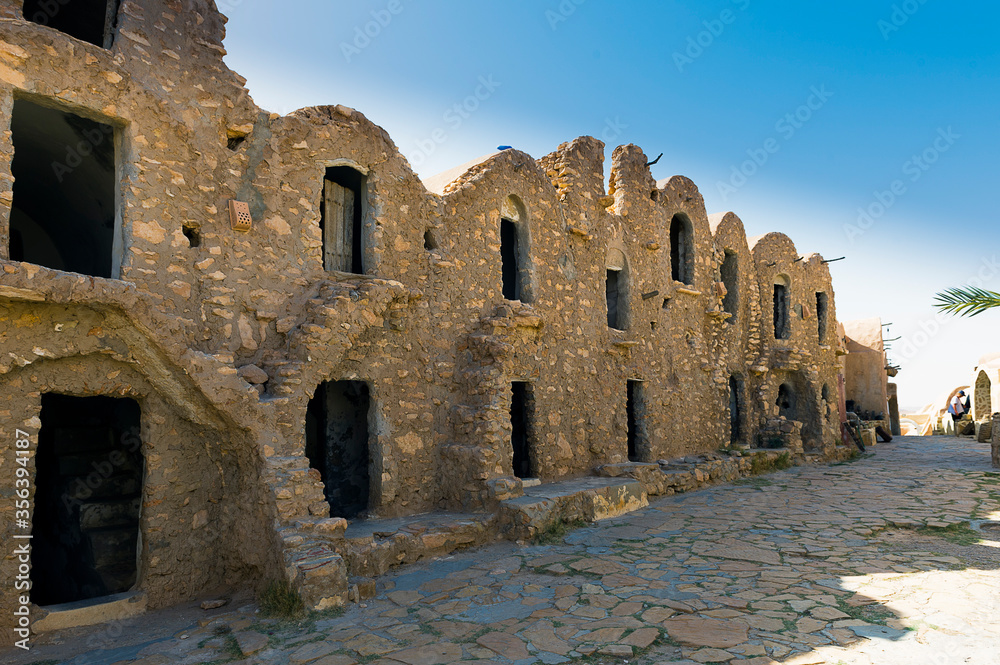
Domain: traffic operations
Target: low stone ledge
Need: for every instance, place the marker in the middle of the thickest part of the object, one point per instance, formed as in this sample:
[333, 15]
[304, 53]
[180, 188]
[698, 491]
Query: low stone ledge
[693, 472]
[586, 499]
[117, 607]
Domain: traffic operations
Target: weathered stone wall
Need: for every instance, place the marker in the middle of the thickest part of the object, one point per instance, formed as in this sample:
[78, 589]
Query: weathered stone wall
[865, 366]
[803, 361]
[205, 519]
[427, 328]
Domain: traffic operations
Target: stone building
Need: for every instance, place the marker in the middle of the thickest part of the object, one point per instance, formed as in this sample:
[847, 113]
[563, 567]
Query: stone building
[225, 331]
[868, 391]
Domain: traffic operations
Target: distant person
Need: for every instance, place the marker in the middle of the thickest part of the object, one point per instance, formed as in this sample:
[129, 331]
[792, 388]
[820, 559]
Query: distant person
[956, 408]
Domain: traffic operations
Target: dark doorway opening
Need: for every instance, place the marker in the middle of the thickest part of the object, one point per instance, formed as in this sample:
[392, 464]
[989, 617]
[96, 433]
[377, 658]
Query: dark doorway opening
[342, 219]
[88, 20]
[680, 249]
[509, 257]
[522, 406]
[787, 407]
[780, 311]
[730, 279]
[63, 211]
[635, 409]
[337, 444]
[88, 494]
[735, 412]
[612, 289]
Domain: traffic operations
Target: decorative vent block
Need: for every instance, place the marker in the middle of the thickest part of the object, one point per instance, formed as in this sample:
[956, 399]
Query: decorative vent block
[239, 215]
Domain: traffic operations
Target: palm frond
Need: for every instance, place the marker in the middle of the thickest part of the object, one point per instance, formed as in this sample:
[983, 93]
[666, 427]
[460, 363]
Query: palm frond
[968, 301]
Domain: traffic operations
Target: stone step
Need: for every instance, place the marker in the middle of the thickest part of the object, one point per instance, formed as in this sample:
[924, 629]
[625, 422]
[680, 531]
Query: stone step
[586, 499]
[374, 546]
[317, 572]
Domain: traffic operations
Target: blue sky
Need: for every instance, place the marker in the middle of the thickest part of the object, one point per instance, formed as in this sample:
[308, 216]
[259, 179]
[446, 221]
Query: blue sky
[797, 117]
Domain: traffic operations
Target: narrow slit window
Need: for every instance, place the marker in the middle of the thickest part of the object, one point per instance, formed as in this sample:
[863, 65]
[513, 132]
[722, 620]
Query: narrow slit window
[735, 411]
[822, 315]
[616, 290]
[91, 21]
[521, 408]
[730, 279]
[337, 444]
[63, 213]
[612, 291]
[510, 260]
[780, 306]
[342, 220]
[681, 254]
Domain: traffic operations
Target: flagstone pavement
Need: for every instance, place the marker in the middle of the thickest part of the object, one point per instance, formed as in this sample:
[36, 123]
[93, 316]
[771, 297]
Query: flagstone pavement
[871, 561]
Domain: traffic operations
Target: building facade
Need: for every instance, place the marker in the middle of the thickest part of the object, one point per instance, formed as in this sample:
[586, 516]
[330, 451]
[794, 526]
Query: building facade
[227, 332]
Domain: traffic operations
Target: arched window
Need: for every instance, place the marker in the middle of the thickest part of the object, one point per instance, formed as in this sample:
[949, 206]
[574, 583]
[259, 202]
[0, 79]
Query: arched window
[731, 280]
[616, 290]
[782, 326]
[514, 251]
[681, 249]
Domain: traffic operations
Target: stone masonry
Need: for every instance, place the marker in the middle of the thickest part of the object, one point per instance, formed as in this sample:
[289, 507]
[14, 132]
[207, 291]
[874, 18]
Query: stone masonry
[222, 335]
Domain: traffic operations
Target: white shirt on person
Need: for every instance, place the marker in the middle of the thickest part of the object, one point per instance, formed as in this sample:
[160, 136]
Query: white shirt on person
[955, 406]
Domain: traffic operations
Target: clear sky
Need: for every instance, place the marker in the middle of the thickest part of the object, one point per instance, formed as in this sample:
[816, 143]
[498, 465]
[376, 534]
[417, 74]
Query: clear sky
[796, 116]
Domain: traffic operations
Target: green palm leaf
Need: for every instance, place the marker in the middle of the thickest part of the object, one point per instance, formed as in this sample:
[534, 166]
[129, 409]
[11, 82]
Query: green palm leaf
[967, 301]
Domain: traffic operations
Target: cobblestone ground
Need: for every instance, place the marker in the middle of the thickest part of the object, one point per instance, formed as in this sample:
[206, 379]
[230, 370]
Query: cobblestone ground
[871, 561]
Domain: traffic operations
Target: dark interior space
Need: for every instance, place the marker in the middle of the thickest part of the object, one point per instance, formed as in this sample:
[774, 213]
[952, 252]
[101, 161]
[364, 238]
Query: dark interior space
[88, 493]
[787, 407]
[635, 408]
[735, 415]
[342, 219]
[509, 259]
[430, 242]
[680, 249]
[780, 311]
[63, 212]
[822, 315]
[730, 278]
[88, 20]
[337, 444]
[521, 407]
[192, 234]
[611, 287]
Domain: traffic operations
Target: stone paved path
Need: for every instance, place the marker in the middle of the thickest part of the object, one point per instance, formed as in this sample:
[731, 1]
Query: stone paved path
[862, 562]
